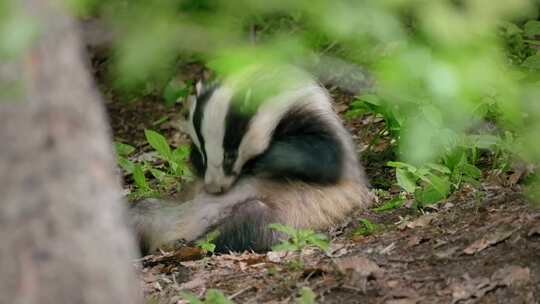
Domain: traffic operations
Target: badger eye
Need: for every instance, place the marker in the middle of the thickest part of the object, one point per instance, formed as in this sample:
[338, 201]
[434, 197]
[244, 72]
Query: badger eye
[230, 157]
[228, 161]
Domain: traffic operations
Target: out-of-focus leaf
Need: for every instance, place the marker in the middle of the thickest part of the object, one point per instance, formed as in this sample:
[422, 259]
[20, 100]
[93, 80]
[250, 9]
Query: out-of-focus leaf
[406, 180]
[392, 204]
[532, 62]
[139, 178]
[123, 149]
[532, 28]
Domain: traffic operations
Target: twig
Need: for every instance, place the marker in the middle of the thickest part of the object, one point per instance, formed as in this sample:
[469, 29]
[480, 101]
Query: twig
[241, 291]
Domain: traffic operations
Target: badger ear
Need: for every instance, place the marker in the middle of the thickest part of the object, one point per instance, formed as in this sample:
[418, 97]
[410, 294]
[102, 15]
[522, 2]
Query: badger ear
[199, 87]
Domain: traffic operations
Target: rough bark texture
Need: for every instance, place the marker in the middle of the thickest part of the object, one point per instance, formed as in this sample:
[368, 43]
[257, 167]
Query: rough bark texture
[62, 228]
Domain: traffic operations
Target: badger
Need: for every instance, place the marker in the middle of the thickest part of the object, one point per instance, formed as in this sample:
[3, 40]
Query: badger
[267, 147]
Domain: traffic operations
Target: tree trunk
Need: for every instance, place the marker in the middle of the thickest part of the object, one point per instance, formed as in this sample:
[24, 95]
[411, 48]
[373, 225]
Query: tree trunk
[63, 237]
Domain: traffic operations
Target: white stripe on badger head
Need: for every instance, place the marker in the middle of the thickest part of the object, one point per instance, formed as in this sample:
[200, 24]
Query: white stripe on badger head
[262, 126]
[213, 132]
[191, 128]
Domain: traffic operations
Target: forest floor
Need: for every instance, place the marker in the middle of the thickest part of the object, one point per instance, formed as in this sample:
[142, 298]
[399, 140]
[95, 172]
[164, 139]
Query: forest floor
[481, 245]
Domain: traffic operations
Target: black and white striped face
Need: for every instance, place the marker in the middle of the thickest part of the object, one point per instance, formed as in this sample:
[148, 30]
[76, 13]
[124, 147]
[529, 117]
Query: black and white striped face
[227, 130]
[284, 132]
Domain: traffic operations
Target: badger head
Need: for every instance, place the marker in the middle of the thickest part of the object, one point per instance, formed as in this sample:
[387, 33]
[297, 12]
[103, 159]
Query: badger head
[224, 134]
[233, 123]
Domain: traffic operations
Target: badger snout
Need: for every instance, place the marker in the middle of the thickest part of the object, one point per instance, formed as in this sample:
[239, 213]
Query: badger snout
[214, 188]
[218, 186]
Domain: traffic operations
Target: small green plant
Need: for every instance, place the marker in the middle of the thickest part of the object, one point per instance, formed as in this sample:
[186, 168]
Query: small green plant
[122, 152]
[213, 296]
[365, 228]
[166, 174]
[371, 103]
[176, 159]
[429, 184]
[206, 244]
[299, 239]
[142, 187]
[307, 296]
[392, 204]
[433, 182]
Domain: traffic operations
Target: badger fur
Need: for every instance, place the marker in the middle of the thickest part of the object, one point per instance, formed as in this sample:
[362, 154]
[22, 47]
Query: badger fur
[267, 148]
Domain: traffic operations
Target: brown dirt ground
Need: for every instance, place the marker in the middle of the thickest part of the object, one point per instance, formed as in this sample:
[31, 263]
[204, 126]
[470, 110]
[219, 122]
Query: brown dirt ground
[482, 245]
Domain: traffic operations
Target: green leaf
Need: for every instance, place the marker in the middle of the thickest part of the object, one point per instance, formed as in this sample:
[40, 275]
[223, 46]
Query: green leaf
[285, 246]
[437, 190]
[428, 195]
[392, 204]
[471, 171]
[158, 174]
[123, 149]
[440, 184]
[366, 228]
[139, 178]
[175, 90]
[125, 164]
[354, 113]
[370, 98]
[532, 28]
[192, 299]
[160, 121]
[406, 180]
[395, 164]
[485, 141]
[320, 241]
[511, 28]
[159, 143]
[440, 168]
[307, 296]
[216, 297]
[532, 62]
[455, 159]
[181, 153]
[207, 247]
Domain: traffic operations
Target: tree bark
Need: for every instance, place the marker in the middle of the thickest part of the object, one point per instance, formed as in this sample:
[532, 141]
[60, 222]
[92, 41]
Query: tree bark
[63, 232]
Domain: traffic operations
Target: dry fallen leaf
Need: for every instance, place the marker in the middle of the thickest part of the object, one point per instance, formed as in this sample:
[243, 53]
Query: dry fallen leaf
[358, 270]
[422, 221]
[471, 288]
[415, 240]
[512, 275]
[446, 253]
[489, 240]
[478, 287]
[276, 256]
[363, 266]
[196, 282]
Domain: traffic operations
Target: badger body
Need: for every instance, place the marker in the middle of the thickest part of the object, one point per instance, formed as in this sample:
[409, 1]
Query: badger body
[267, 148]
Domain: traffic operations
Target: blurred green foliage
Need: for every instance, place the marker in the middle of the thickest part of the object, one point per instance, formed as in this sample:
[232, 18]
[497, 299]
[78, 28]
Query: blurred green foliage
[442, 68]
